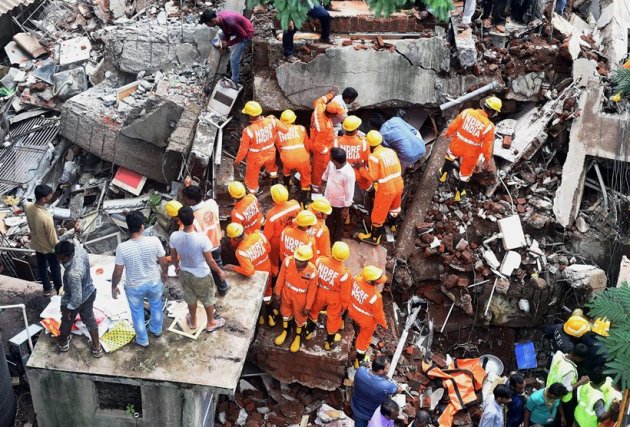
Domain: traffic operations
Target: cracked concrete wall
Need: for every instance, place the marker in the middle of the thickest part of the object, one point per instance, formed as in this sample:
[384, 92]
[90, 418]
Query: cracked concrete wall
[594, 134]
[383, 78]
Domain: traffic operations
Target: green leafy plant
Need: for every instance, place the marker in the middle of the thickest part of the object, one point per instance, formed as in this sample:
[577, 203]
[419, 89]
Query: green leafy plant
[296, 10]
[614, 304]
[130, 409]
[620, 79]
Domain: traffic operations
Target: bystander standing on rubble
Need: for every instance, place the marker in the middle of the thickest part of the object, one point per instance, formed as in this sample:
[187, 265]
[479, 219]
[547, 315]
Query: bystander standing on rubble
[141, 258]
[78, 297]
[317, 11]
[385, 415]
[44, 238]
[207, 222]
[345, 99]
[493, 407]
[340, 179]
[516, 408]
[371, 389]
[191, 254]
[237, 34]
[543, 404]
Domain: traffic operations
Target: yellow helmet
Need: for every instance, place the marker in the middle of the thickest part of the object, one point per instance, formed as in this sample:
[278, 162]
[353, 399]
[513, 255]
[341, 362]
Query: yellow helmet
[305, 218]
[321, 205]
[172, 208]
[288, 117]
[493, 103]
[303, 253]
[252, 108]
[236, 189]
[371, 273]
[234, 229]
[374, 138]
[340, 251]
[601, 326]
[576, 326]
[351, 123]
[279, 193]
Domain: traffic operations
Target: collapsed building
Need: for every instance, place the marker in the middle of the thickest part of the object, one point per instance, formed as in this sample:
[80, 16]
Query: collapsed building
[533, 242]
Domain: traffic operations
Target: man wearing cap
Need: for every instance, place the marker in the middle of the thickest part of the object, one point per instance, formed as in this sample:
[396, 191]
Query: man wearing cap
[296, 288]
[293, 148]
[356, 148]
[384, 171]
[333, 281]
[280, 216]
[322, 134]
[246, 210]
[347, 97]
[252, 254]
[297, 235]
[258, 145]
[321, 208]
[365, 307]
[237, 33]
[472, 140]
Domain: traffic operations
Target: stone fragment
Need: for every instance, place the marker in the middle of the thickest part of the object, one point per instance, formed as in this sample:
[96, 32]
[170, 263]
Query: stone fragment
[582, 275]
[466, 50]
[581, 225]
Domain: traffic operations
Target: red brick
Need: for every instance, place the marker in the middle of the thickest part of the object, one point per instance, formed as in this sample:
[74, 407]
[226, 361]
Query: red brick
[277, 420]
[346, 43]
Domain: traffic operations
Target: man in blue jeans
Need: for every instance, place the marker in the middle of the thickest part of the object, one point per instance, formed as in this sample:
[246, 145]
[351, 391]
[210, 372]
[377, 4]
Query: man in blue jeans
[141, 258]
[237, 34]
[316, 12]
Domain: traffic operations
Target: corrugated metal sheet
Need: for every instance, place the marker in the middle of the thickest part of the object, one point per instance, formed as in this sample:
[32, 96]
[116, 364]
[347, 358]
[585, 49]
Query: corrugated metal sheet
[9, 5]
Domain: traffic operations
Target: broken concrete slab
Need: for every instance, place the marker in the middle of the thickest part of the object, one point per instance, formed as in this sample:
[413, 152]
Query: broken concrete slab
[30, 44]
[591, 122]
[614, 24]
[466, 49]
[581, 275]
[583, 70]
[526, 87]
[117, 8]
[186, 54]
[74, 50]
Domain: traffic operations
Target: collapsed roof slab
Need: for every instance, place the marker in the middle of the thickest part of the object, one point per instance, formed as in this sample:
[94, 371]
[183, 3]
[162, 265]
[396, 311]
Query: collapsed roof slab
[137, 141]
[412, 74]
[594, 133]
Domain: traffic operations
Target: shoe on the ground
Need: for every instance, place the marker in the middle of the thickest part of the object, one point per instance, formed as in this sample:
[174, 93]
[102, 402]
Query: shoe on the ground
[280, 339]
[96, 353]
[63, 347]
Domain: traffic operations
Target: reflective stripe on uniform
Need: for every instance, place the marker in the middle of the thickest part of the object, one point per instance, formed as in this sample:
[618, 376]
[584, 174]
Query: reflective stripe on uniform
[389, 178]
[360, 310]
[373, 299]
[292, 147]
[258, 150]
[284, 212]
[295, 289]
[466, 140]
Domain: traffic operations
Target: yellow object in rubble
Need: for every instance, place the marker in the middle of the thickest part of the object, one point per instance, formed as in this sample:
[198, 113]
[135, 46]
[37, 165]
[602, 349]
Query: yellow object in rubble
[601, 326]
[616, 97]
[118, 336]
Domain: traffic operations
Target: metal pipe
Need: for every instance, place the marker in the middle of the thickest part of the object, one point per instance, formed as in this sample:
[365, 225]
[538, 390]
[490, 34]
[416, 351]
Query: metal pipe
[448, 315]
[491, 295]
[403, 339]
[466, 97]
[23, 307]
[601, 184]
[3, 248]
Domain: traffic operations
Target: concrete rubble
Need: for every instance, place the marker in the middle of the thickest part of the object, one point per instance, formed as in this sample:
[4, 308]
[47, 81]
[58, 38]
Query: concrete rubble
[121, 84]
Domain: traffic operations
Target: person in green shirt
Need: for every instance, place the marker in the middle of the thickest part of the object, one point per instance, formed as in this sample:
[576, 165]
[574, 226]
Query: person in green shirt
[542, 406]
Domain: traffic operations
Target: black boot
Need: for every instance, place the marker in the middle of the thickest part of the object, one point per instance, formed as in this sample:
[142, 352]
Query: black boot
[461, 190]
[373, 237]
[393, 222]
[446, 169]
[305, 198]
[286, 180]
[359, 360]
[310, 330]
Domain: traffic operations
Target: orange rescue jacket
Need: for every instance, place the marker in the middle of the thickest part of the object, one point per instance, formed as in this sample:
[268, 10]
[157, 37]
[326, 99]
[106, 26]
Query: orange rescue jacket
[291, 280]
[279, 217]
[322, 126]
[293, 145]
[291, 238]
[259, 137]
[365, 303]
[384, 168]
[247, 213]
[356, 148]
[252, 254]
[473, 133]
[332, 275]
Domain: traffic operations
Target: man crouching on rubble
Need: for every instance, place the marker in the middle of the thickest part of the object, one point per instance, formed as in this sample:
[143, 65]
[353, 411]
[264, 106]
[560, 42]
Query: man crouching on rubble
[78, 297]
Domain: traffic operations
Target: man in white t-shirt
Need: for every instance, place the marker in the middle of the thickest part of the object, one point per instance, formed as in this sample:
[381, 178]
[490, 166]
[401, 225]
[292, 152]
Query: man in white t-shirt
[140, 258]
[340, 179]
[344, 99]
[191, 254]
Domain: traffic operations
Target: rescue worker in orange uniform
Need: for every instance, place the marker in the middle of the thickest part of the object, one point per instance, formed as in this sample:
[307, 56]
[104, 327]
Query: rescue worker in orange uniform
[278, 218]
[252, 254]
[258, 145]
[296, 288]
[246, 210]
[293, 148]
[333, 281]
[365, 307]
[472, 135]
[321, 207]
[298, 234]
[322, 134]
[384, 171]
[356, 148]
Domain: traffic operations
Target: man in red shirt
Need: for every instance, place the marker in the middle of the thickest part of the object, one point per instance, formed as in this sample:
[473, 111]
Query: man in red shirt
[237, 31]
